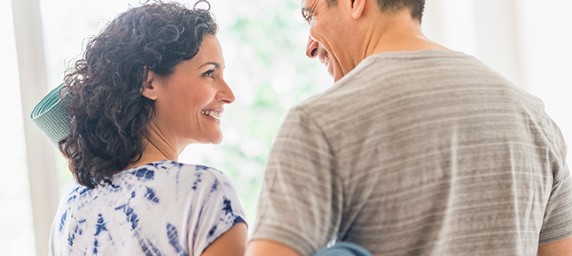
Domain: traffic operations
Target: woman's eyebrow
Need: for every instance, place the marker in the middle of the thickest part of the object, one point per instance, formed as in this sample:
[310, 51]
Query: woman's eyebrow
[216, 64]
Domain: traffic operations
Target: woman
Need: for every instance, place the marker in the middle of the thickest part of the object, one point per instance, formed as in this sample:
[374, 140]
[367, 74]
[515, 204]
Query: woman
[150, 84]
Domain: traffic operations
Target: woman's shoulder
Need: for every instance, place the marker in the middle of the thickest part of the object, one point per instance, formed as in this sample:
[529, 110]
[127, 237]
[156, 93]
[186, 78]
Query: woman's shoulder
[181, 174]
[169, 168]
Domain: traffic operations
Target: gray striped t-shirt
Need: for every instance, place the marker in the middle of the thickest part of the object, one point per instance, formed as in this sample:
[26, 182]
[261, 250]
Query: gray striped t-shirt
[418, 153]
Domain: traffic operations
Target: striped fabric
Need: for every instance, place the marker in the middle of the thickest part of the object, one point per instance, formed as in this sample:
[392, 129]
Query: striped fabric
[418, 153]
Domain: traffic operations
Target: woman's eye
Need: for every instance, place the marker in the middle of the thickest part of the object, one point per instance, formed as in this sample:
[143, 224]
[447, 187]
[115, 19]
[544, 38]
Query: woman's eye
[209, 73]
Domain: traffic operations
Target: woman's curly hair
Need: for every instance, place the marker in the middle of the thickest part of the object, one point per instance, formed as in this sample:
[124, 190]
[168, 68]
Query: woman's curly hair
[109, 116]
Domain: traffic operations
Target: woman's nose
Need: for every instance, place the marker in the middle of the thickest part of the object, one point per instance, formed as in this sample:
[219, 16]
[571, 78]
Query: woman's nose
[226, 95]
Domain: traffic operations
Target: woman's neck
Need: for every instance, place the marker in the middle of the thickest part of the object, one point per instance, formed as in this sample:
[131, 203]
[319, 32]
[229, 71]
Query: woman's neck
[156, 148]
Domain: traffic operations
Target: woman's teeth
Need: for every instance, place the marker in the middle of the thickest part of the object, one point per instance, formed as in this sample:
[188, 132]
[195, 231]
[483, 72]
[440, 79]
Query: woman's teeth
[215, 115]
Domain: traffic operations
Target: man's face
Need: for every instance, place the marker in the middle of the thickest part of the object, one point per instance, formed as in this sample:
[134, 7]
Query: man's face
[316, 50]
[325, 37]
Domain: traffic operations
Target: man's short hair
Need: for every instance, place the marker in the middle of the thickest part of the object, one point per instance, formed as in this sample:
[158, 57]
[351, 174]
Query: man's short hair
[416, 6]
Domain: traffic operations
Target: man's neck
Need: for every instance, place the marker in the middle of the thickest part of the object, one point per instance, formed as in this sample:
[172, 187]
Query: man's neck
[396, 32]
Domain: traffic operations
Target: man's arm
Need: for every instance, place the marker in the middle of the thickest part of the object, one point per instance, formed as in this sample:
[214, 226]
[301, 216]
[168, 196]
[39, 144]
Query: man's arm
[559, 248]
[300, 202]
[262, 247]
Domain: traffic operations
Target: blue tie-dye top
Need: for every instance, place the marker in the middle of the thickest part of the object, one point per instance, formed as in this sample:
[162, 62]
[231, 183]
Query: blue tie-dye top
[163, 208]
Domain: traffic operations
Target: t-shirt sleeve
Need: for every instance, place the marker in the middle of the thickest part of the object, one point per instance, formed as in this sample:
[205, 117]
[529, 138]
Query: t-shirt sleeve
[558, 216]
[300, 200]
[220, 210]
[557, 223]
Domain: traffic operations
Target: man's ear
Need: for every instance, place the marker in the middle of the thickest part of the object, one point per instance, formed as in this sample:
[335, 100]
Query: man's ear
[357, 7]
[148, 89]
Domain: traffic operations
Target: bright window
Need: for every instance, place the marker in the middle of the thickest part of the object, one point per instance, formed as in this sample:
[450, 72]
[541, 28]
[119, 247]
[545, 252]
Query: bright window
[16, 227]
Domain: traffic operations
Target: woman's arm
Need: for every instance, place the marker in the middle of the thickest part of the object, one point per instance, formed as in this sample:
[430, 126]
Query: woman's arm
[232, 242]
[267, 247]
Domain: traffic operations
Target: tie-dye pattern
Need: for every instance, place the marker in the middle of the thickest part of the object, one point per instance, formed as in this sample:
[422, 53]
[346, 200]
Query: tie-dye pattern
[163, 208]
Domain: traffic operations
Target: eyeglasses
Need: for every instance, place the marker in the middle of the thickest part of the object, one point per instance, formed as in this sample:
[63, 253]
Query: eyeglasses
[308, 13]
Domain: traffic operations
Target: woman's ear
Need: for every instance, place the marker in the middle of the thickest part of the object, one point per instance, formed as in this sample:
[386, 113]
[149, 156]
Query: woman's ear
[148, 89]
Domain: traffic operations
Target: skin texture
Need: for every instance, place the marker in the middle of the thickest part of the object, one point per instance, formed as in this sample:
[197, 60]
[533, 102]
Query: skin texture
[231, 243]
[197, 85]
[559, 248]
[262, 247]
[316, 50]
[371, 32]
[327, 30]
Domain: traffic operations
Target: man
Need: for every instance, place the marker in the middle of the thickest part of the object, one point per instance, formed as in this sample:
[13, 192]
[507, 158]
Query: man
[415, 150]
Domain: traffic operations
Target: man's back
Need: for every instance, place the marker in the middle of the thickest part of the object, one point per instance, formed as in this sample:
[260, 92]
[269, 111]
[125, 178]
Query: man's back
[419, 153]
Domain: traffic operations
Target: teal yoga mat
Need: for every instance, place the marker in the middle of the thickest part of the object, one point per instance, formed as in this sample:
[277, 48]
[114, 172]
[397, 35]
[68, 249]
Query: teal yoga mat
[50, 116]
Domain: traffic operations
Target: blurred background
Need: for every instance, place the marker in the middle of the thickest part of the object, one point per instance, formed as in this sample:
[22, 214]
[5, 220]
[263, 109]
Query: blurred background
[263, 43]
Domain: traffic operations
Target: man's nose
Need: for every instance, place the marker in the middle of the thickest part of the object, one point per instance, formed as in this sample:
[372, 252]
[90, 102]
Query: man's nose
[312, 48]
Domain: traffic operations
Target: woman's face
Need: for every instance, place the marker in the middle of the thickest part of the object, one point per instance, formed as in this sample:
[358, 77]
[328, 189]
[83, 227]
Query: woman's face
[189, 103]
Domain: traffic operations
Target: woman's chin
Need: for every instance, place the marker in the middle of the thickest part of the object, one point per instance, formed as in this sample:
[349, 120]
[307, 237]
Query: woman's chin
[215, 139]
